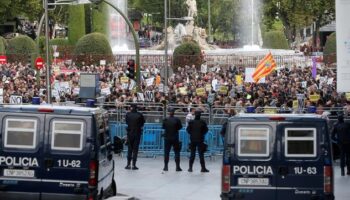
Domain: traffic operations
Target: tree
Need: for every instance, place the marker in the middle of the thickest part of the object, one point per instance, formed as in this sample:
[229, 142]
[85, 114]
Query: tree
[275, 40]
[188, 53]
[10, 9]
[330, 49]
[21, 49]
[76, 23]
[296, 14]
[92, 48]
[2, 45]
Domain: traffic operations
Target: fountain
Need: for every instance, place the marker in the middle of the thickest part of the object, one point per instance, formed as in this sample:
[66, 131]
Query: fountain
[254, 20]
[117, 27]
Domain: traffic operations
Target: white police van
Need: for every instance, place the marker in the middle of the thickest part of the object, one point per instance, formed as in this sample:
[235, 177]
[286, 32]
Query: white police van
[277, 157]
[52, 152]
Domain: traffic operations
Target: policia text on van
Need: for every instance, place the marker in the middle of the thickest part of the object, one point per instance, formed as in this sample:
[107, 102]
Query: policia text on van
[51, 153]
[277, 157]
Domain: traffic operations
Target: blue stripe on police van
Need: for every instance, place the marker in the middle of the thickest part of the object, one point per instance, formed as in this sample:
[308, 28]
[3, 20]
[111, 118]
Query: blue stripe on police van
[43, 180]
[263, 188]
[272, 188]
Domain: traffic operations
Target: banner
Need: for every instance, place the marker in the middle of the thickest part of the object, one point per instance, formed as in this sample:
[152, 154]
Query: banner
[249, 76]
[343, 45]
[105, 91]
[314, 98]
[76, 91]
[14, 99]
[208, 87]
[223, 90]
[201, 92]
[140, 97]
[161, 87]
[347, 96]
[183, 90]
[124, 79]
[149, 96]
[239, 80]
[149, 81]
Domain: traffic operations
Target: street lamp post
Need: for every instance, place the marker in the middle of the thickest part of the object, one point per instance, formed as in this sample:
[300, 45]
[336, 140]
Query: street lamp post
[48, 68]
[166, 45]
[210, 39]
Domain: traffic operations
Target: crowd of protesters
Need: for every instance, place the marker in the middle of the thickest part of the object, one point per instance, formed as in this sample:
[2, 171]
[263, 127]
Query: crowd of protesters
[280, 88]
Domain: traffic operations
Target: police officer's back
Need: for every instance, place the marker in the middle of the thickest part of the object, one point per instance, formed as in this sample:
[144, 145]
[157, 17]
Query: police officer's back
[135, 122]
[197, 129]
[171, 126]
[341, 134]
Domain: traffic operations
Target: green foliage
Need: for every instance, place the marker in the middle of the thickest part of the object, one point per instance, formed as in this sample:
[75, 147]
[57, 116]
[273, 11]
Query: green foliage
[10, 9]
[63, 47]
[330, 49]
[76, 23]
[100, 18]
[275, 40]
[92, 48]
[2, 45]
[188, 53]
[21, 49]
[41, 44]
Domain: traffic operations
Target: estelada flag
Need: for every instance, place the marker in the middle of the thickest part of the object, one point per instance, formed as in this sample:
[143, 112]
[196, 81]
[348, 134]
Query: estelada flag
[264, 68]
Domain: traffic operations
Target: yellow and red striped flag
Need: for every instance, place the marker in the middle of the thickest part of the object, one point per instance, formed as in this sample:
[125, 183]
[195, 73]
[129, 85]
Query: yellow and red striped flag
[264, 68]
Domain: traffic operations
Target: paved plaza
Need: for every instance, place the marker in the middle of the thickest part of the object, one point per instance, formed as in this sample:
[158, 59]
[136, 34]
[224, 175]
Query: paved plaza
[151, 183]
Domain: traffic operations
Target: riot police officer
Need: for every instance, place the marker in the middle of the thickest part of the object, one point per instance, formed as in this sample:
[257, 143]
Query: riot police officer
[197, 129]
[135, 122]
[341, 134]
[171, 126]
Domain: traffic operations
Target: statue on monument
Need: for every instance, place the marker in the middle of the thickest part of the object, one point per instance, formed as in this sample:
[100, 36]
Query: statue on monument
[192, 8]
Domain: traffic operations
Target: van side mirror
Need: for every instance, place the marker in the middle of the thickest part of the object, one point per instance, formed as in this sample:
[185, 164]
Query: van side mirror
[118, 145]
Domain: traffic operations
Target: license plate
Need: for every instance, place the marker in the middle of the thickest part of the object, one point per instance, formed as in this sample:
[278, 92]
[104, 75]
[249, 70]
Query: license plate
[19, 173]
[253, 181]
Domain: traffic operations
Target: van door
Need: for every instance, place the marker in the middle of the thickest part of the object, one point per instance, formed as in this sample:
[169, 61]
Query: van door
[21, 156]
[66, 157]
[300, 166]
[253, 161]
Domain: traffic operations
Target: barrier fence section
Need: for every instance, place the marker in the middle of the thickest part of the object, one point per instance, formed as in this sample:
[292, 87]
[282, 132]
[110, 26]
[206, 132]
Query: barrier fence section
[152, 142]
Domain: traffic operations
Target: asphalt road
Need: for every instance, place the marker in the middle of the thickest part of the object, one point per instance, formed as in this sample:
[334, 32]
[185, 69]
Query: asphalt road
[151, 183]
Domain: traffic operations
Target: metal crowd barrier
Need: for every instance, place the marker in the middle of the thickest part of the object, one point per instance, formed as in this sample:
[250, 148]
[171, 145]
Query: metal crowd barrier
[152, 142]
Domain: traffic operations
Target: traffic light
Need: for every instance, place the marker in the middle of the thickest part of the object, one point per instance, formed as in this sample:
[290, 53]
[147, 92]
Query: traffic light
[49, 7]
[131, 69]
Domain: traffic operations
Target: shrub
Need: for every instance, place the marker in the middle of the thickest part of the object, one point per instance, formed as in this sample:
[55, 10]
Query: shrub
[330, 49]
[188, 53]
[100, 18]
[2, 45]
[21, 49]
[64, 48]
[76, 23]
[92, 48]
[275, 40]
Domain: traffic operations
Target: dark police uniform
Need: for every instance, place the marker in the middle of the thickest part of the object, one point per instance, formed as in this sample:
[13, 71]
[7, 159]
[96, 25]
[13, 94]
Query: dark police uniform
[341, 134]
[197, 129]
[135, 122]
[171, 126]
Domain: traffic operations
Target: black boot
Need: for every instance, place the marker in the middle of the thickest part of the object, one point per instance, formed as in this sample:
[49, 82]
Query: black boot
[178, 168]
[165, 167]
[134, 166]
[204, 169]
[190, 168]
[342, 172]
[128, 165]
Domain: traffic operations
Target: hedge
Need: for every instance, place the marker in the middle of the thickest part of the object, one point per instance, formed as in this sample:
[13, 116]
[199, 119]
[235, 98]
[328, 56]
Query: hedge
[76, 23]
[275, 40]
[21, 49]
[92, 48]
[188, 53]
[100, 18]
[330, 49]
[2, 45]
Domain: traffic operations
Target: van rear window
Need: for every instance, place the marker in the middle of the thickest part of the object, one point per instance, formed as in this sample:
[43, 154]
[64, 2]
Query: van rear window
[253, 142]
[20, 133]
[67, 135]
[300, 142]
